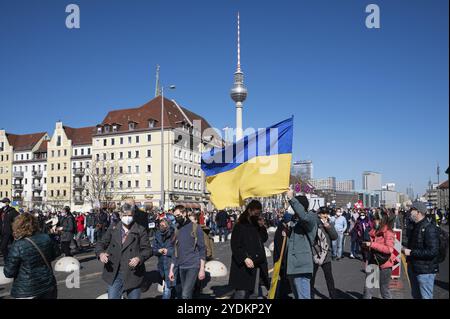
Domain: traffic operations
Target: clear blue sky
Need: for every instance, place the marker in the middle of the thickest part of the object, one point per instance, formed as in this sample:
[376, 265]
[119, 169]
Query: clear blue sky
[362, 99]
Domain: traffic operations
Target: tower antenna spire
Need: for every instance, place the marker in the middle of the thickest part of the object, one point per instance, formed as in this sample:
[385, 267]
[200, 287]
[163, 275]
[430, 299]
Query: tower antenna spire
[157, 86]
[238, 43]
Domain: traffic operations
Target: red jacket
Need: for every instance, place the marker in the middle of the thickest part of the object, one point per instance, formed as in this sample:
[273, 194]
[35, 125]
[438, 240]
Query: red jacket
[80, 223]
[383, 241]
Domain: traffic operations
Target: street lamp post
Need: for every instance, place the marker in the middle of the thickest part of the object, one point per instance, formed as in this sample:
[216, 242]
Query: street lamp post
[162, 146]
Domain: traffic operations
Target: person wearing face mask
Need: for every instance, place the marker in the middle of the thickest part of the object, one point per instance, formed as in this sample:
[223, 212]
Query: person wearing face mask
[163, 248]
[9, 214]
[322, 250]
[189, 255]
[67, 229]
[248, 257]
[123, 250]
[340, 225]
[422, 253]
[381, 248]
[362, 229]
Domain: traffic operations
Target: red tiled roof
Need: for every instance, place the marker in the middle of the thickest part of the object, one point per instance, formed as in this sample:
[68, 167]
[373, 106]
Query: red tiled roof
[43, 147]
[443, 185]
[24, 142]
[152, 111]
[80, 136]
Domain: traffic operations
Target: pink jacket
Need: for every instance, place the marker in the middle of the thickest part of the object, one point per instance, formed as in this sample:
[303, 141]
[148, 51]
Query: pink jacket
[383, 241]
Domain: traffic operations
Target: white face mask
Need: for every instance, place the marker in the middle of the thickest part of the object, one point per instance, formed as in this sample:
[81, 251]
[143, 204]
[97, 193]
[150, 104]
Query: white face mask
[2, 205]
[126, 220]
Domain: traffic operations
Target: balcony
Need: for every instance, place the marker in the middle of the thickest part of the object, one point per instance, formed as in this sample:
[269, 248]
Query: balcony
[18, 186]
[37, 174]
[78, 171]
[18, 175]
[79, 186]
[78, 201]
[36, 187]
[37, 199]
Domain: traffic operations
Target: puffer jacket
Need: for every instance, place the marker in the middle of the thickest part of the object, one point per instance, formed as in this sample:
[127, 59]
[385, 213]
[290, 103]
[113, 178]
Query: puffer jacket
[24, 263]
[383, 241]
[424, 245]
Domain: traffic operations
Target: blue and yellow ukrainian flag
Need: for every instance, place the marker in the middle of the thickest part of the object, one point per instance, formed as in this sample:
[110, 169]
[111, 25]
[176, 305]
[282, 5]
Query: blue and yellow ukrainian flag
[258, 165]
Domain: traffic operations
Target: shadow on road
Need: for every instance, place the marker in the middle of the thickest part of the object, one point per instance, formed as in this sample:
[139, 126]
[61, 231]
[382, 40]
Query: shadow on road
[222, 291]
[348, 294]
[150, 278]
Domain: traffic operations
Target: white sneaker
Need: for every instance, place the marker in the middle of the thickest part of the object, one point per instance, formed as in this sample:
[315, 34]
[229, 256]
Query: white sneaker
[351, 256]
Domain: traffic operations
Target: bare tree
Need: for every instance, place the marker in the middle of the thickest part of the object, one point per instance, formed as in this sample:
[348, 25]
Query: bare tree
[103, 182]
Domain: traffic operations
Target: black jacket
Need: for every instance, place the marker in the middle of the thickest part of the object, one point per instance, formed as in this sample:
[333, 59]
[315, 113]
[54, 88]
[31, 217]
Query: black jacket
[69, 227]
[221, 219]
[9, 214]
[32, 276]
[423, 241]
[247, 241]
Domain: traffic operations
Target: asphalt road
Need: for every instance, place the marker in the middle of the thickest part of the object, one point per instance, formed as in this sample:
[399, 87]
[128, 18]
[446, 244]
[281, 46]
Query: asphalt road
[348, 274]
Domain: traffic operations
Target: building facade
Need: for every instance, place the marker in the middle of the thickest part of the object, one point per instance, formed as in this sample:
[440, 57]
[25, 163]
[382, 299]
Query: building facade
[371, 181]
[324, 183]
[345, 186]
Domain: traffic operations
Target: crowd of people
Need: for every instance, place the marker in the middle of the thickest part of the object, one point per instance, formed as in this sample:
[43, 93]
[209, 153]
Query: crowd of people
[182, 241]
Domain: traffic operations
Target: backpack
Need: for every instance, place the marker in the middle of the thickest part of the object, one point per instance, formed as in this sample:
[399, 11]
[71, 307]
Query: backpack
[443, 245]
[193, 233]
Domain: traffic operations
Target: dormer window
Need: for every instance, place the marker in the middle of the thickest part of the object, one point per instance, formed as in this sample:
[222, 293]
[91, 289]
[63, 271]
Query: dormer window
[131, 126]
[114, 128]
[99, 130]
[106, 128]
[151, 123]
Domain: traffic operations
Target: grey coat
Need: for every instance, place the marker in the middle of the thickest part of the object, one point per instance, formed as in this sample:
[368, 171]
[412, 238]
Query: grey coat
[137, 244]
[299, 253]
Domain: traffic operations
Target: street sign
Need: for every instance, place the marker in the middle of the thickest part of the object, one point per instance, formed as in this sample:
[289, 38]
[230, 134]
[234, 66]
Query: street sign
[396, 269]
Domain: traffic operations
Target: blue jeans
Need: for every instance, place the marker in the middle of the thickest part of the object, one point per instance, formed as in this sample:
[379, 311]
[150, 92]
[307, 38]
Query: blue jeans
[115, 291]
[337, 245]
[223, 231]
[354, 247]
[90, 232]
[301, 286]
[188, 279]
[167, 292]
[421, 284]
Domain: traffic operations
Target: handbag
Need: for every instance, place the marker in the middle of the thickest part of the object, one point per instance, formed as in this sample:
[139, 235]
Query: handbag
[378, 258]
[40, 252]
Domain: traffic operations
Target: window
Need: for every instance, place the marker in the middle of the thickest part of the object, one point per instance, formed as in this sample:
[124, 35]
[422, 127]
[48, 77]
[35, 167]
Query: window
[149, 168]
[114, 128]
[180, 186]
[58, 140]
[129, 154]
[149, 138]
[98, 157]
[175, 168]
[58, 179]
[149, 153]
[121, 169]
[65, 179]
[120, 184]
[64, 193]
[65, 166]
[137, 169]
[185, 185]
[137, 139]
[105, 142]
[76, 152]
[53, 167]
[190, 171]
[190, 185]
[151, 123]
[185, 170]
[149, 184]
[89, 151]
[104, 156]
[82, 151]
[175, 153]
[65, 152]
[106, 128]
[99, 130]
[112, 156]
[129, 139]
[175, 184]
[112, 185]
[52, 179]
[129, 184]
[51, 193]
[137, 154]
[136, 184]
[59, 166]
[129, 169]
[113, 141]
[104, 170]
[112, 170]
[121, 141]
